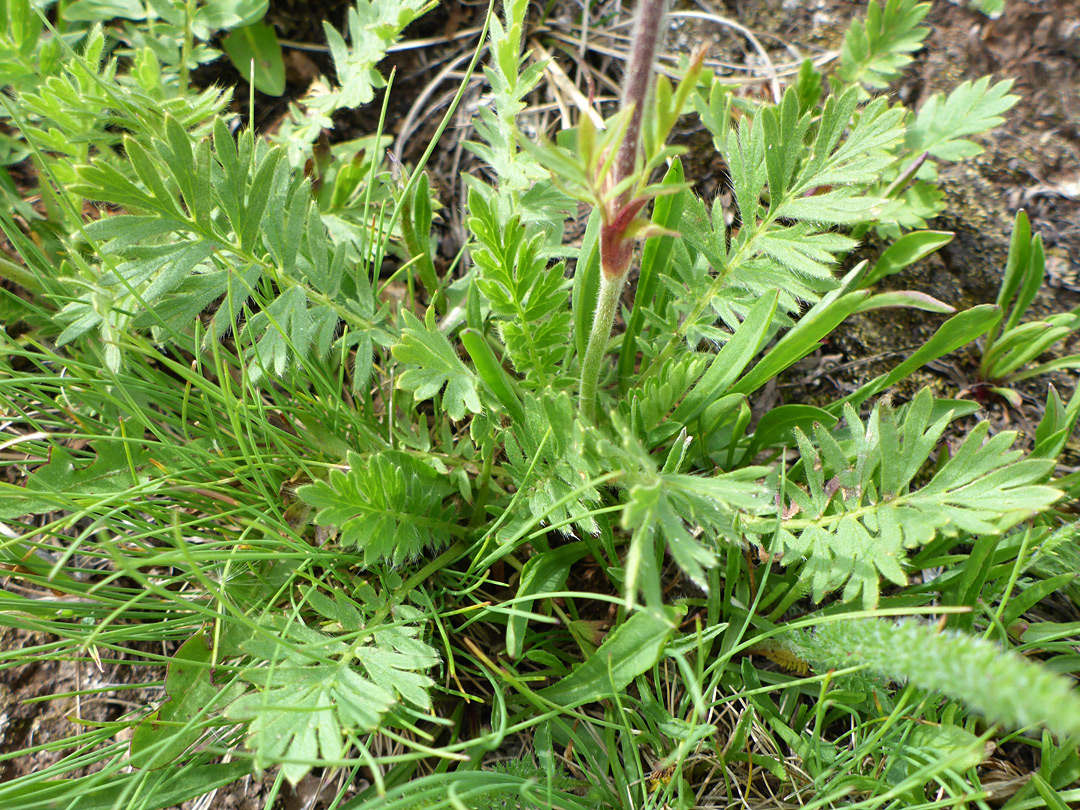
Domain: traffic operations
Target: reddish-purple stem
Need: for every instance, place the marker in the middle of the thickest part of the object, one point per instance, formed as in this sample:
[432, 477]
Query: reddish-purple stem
[616, 247]
[639, 75]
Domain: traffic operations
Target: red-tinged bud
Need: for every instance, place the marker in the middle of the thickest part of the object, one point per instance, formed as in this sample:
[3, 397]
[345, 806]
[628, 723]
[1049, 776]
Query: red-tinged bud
[626, 214]
[616, 251]
[617, 241]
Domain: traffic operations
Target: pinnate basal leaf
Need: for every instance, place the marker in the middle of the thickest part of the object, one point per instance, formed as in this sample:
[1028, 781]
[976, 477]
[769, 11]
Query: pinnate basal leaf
[943, 124]
[857, 512]
[311, 688]
[437, 366]
[549, 456]
[304, 710]
[528, 297]
[692, 514]
[389, 505]
[876, 49]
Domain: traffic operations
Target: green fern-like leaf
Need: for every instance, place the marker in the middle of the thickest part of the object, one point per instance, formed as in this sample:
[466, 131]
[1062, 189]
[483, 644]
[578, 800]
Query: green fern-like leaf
[311, 689]
[860, 509]
[692, 514]
[876, 50]
[389, 505]
[1004, 687]
[794, 174]
[301, 713]
[794, 261]
[548, 456]
[645, 409]
[510, 83]
[373, 26]
[83, 107]
[212, 218]
[528, 297]
[854, 162]
[943, 125]
[437, 367]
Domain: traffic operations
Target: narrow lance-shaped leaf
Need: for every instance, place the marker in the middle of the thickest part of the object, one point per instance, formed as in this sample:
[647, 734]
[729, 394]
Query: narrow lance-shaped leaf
[257, 44]
[544, 572]
[631, 649]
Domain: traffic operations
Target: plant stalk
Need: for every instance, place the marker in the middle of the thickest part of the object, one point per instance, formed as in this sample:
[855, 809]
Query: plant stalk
[636, 85]
[187, 46]
[616, 248]
[607, 304]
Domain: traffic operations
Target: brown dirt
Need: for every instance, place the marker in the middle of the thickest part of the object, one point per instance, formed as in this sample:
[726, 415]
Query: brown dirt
[1033, 162]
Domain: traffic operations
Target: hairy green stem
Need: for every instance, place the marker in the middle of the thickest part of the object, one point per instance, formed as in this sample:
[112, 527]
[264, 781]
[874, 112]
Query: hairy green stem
[607, 304]
[616, 248]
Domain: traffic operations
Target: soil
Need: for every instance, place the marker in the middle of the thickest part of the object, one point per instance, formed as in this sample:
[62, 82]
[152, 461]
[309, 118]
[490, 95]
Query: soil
[1032, 161]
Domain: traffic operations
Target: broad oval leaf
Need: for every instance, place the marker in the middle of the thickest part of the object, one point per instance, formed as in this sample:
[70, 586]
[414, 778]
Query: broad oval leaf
[257, 44]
